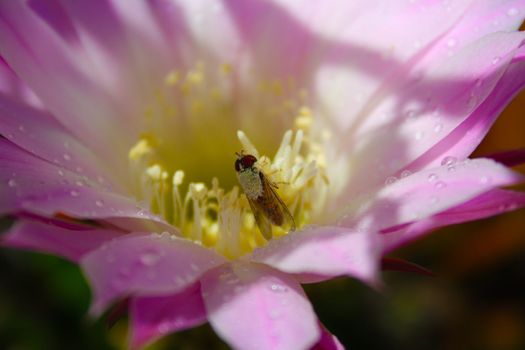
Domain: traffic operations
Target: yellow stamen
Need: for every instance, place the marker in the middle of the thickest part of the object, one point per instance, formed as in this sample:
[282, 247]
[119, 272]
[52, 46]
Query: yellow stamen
[207, 213]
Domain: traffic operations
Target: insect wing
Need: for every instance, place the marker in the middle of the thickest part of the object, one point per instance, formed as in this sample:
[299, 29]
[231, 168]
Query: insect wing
[288, 217]
[265, 226]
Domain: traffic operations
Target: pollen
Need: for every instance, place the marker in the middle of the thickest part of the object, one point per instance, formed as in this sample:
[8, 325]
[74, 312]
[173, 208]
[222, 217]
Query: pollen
[216, 212]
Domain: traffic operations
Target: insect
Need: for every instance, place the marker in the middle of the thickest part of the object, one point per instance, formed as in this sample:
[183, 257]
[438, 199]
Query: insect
[267, 207]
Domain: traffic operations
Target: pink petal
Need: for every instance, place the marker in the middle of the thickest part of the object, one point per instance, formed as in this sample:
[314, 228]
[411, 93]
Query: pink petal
[376, 66]
[491, 203]
[40, 134]
[91, 64]
[410, 119]
[462, 141]
[154, 317]
[145, 264]
[12, 87]
[60, 74]
[69, 243]
[34, 185]
[328, 341]
[251, 306]
[337, 250]
[429, 192]
[337, 33]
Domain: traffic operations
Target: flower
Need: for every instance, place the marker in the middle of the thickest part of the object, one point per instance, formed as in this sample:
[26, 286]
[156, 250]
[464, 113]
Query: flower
[120, 121]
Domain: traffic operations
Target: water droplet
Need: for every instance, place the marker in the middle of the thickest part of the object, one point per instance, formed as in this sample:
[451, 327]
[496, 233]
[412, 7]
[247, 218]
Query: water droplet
[434, 200]
[164, 235]
[451, 42]
[60, 172]
[12, 183]
[419, 135]
[496, 60]
[74, 193]
[278, 288]
[390, 180]
[21, 128]
[512, 12]
[99, 203]
[149, 258]
[79, 183]
[432, 177]
[449, 160]
[484, 180]
[66, 157]
[451, 168]
[438, 127]
[405, 173]
[440, 184]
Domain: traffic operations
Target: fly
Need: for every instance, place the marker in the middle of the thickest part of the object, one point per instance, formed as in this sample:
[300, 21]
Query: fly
[267, 207]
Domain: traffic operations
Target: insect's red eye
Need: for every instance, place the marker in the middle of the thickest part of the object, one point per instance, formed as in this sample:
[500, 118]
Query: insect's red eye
[248, 161]
[244, 162]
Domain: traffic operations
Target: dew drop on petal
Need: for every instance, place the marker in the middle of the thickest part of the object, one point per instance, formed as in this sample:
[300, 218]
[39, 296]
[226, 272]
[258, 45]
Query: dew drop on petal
[74, 193]
[278, 288]
[449, 161]
[66, 156]
[419, 135]
[440, 184]
[512, 12]
[432, 177]
[484, 180]
[496, 60]
[390, 180]
[405, 173]
[60, 172]
[12, 183]
[149, 258]
[99, 203]
[452, 42]
[21, 128]
[438, 127]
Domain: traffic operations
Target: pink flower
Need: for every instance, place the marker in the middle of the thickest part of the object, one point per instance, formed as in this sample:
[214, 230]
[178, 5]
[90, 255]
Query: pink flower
[107, 107]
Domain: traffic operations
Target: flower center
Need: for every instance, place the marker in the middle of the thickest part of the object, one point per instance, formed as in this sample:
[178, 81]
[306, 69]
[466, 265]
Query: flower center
[180, 161]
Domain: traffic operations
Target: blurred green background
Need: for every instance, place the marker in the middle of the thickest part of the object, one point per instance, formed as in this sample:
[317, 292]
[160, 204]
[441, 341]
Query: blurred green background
[476, 300]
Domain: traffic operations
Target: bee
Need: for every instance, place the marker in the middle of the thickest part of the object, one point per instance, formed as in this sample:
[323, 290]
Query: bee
[267, 207]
